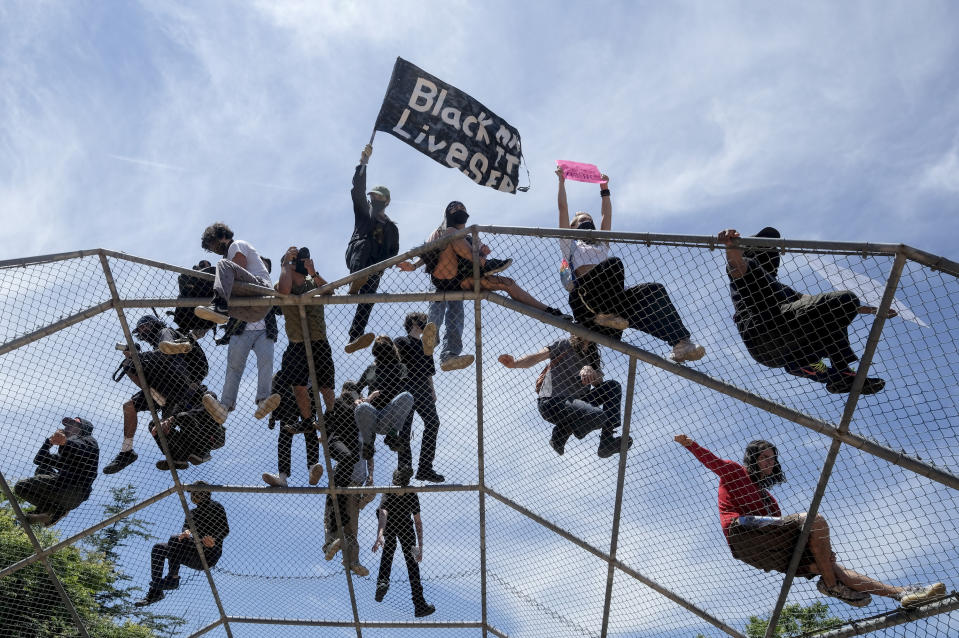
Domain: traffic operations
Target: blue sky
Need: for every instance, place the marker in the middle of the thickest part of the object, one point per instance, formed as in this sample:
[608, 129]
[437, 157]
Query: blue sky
[132, 126]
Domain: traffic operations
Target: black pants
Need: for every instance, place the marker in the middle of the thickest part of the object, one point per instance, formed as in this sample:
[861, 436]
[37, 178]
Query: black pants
[598, 409]
[425, 406]
[404, 532]
[284, 450]
[362, 315]
[646, 307]
[178, 552]
[50, 495]
[346, 456]
[806, 331]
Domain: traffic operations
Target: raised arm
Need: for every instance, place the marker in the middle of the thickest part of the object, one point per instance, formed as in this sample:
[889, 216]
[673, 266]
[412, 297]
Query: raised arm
[735, 263]
[525, 361]
[361, 208]
[285, 284]
[606, 208]
[707, 458]
[561, 199]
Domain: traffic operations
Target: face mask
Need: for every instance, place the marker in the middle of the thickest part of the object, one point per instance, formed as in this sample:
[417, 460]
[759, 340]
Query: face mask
[457, 217]
[377, 205]
[586, 224]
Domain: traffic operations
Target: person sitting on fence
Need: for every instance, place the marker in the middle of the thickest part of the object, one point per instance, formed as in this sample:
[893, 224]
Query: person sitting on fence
[599, 297]
[209, 520]
[387, 404]
[782, 328]
[573, 395]
[759, 535]
[419, 382]
[344, 443]
[172, 380]
[289, 418]
[375, 238]
[398, 516]
[191, 434]
[241, 263]
[298, 276]
[64, 479]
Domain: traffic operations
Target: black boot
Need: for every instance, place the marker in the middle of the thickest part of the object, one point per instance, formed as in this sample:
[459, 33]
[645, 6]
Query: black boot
[381, 588]
[422, 608]
[120, 461]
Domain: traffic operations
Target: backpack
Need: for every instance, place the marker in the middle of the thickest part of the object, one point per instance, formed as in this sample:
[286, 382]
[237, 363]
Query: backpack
[190, 286]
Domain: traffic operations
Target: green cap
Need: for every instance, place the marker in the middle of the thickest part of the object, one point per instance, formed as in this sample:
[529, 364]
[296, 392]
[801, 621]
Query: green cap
[382, 191]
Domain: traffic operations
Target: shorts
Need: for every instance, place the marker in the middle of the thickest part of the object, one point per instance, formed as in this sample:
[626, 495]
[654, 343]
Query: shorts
[446, 285]
[767, 543]
[295, 369]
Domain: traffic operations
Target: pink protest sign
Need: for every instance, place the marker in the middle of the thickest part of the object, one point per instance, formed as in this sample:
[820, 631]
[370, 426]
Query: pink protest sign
[579, 172]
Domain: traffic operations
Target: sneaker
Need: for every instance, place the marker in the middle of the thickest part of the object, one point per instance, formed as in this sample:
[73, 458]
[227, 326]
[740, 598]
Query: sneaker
[198, 333]
[611, 447]
[158, 398]
[844, 593]
[817, 372]
[381, 589]
[558, 446]
[356, 284]
[217, 313]
[329, 551]
[841, 383]
[316, 473]
[429, 474]
[359, 570]
[686, 350]
[430, 338]
[493, 266]
[39, 518]
[614, 322]
[155, 594]
[404, 473]
[120, 461]
[175, 347]
[266, 406]
[196, 459]
[423, 609]
[275, 480]
[360, 343]
[169, 582]
[164, 466]
[305, 426]
[215, 409]
[458, 362]
[556, 312]
[915, 595]
[392, 440]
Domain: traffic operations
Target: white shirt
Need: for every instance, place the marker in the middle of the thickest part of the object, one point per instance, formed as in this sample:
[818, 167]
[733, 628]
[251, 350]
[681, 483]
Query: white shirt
[255, 266]
[581, 253]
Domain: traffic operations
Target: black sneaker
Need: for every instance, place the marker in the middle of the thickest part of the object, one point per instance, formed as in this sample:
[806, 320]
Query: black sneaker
[169, 582]
[404, 473]
[381, 589]
[493, 266]
[39, 518]
[817, 372]
[120, 461]
[423, 609]
[164, 466]
[197, 459]
[392, 440]
[558, 446]
[556, 312]
[429, 474]
[155, 594]
[611, 447]
[840, 382]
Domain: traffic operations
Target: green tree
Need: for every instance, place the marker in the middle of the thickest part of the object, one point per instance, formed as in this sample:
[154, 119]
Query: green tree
[795, 620]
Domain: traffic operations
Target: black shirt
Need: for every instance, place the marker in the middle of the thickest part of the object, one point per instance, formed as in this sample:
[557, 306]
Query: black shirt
[399, 507]
[75, 463]
[210, 520]
[757, 296]
[387, 377]
[341, 422]
[419, 365]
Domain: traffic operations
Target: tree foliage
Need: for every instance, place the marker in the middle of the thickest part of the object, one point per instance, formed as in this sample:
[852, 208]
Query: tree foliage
[795, 620]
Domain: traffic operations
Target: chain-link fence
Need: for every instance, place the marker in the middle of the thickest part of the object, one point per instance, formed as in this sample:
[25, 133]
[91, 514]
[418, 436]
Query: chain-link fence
[171, 476]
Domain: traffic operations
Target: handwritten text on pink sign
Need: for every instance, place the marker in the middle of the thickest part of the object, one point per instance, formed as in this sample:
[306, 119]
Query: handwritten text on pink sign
[579, 172]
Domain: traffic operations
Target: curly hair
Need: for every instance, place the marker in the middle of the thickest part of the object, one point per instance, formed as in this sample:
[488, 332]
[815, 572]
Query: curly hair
[214, 233]
[415, 319]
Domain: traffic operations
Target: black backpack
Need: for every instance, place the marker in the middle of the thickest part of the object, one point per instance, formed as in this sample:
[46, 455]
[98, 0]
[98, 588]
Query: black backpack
[190, 286]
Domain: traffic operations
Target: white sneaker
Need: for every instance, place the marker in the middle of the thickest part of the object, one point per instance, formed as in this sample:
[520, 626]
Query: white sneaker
[686, 350]
[457, 362]
[330, 550]
[215, 409]
[916, 595]
[430, 333]
[174, 347]
[275, 480]
[210, 313]
[267, 405]
[316, 472]
[844, 593]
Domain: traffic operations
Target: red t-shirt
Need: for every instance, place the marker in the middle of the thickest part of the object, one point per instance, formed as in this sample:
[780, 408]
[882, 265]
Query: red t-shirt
[738, 495]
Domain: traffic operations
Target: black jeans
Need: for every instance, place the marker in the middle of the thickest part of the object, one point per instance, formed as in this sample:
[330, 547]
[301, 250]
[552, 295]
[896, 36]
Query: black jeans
[284, 450]
[179, 552]
[404, 532]
[425, 406]
[362, 315]
[598, 409]
[346, 457]
[50, 495]
[646, 307]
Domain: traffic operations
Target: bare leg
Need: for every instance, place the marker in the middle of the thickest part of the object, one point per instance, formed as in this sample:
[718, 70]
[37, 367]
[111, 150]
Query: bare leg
[303, 401]
[129, 420]
[329, 396]
[496, 282]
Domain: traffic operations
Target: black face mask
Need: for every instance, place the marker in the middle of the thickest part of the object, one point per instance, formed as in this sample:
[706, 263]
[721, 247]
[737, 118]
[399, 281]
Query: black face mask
[586, 224]
[457, 217]
[378, 206]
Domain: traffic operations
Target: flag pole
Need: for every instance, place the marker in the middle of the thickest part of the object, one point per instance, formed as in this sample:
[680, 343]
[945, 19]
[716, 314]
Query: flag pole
[385, 95]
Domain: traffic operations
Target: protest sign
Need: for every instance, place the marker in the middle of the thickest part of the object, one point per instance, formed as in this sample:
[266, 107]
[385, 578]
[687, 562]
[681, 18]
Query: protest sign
[445, 123]
[579, 172]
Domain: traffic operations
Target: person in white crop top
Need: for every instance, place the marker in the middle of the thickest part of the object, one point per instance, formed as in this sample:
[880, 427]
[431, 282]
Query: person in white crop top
[600, 299]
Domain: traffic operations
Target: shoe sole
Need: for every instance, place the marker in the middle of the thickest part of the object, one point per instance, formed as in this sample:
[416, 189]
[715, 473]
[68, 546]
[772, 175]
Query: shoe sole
[174, 347]
[457, 363]
[359, 570]
[361, 343]
[692, 355]
[210, 315]
[356, 284]
[316, 473]
[215, 409]
[430, 479]
[266, 406]
[430, 339]
[492, 271]
[332, 550]
[197, 460]
[272, 482]
[934, 592]
[613, 322]
[428, 612]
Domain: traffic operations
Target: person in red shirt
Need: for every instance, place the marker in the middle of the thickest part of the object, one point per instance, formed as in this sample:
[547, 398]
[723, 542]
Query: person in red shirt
[759, 535]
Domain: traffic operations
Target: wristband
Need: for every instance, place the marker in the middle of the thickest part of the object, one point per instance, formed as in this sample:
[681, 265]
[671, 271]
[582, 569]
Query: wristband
[604, 192]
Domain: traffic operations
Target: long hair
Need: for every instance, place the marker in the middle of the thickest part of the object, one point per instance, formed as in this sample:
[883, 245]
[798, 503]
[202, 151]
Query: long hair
[384, 351]
[751, 462]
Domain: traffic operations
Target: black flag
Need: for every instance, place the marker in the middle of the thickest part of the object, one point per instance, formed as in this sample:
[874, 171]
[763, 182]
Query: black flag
[451, 127]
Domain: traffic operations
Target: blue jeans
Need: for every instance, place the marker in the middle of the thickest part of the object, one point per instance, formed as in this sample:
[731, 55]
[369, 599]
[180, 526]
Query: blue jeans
[236, 356]
[452, 344]
[371, 421]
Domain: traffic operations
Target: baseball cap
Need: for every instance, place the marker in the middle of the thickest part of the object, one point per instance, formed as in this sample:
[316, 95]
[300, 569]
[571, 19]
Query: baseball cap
[81, 424]
[383, 191]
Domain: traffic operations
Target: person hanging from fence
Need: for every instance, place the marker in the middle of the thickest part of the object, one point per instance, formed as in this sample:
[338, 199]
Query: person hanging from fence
[173, 379]
[599, 297]
[398, 518]
[353, 469]
[419, 382]
[782, 328]
[573, 395]
[375, 238]
[63, 479]
[387, 403]
[288, 417]
[240, 263]
[210, 522]
[759, 535]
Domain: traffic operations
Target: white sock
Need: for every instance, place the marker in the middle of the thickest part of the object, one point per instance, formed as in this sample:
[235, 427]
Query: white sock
[127, 444]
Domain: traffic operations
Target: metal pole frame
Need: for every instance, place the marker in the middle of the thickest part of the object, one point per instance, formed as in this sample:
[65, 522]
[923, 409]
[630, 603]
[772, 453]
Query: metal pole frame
[480, 449]
[893, 618]
[872, 343]
[178, 486]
